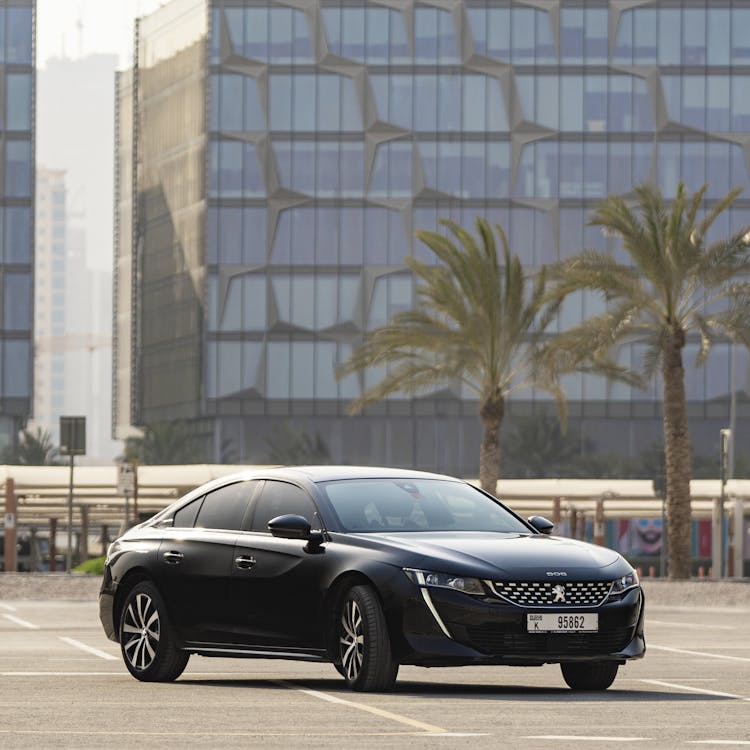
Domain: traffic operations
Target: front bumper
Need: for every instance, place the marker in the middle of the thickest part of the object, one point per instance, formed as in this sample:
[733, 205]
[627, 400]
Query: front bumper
[490, 630]
[107, 605]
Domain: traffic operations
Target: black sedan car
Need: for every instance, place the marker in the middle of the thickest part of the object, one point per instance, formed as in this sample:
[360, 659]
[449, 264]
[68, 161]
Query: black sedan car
[368, 569]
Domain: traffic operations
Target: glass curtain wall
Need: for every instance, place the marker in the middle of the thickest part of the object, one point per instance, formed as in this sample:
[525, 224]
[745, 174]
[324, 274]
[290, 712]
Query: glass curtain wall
[334, 130]
[169, 119]
[17, 81]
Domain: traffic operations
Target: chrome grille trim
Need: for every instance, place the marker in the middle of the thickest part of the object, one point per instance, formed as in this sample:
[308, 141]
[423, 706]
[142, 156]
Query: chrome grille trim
[542, 594]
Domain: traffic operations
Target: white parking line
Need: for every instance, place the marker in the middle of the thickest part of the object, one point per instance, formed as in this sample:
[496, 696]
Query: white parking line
[421, 725]
[364, 707]
[22, 623]
[695, 653]
[689, 625]
[702, 691]
[8, 607]
[710, 610]
[87, 649]
[583, 738]
[60, 674]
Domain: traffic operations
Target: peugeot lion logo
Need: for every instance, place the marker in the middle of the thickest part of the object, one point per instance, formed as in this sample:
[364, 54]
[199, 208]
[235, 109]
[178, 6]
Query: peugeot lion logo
[559, 592]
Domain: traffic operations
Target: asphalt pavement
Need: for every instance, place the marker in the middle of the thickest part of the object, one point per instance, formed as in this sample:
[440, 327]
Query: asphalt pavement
[63, 685]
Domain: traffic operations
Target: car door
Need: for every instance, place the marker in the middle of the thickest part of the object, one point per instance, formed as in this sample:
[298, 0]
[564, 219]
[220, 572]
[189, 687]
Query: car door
[276, 583]
[195, 562]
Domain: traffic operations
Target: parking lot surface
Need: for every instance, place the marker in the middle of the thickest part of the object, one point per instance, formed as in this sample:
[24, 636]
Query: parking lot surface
[63, 684]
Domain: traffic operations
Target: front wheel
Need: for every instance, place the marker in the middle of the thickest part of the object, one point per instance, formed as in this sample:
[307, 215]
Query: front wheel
[596, 675]
[366, 661]
[146, 641]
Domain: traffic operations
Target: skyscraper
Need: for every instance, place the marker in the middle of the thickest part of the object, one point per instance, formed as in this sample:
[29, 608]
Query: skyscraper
[283, 153]
[50, 300]
[16, 216]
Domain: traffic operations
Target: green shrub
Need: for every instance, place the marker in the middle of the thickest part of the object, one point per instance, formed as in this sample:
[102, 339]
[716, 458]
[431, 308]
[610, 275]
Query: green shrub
[93, 567]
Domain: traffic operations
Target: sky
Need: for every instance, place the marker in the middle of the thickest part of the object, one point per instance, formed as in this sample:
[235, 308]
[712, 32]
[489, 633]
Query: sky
[105, 26]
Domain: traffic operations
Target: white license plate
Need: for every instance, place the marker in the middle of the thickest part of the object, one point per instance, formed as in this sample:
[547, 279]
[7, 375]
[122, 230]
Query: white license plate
[563, 623]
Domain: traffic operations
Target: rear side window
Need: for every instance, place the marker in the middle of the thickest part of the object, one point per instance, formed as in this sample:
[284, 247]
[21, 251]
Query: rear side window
[185, 516]
[278, 499]
[225, 507]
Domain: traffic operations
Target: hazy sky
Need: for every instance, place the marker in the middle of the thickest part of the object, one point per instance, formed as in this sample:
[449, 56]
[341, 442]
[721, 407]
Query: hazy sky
[105, 26]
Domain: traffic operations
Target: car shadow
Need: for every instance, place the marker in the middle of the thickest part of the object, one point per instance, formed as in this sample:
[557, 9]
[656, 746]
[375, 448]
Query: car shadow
[414, 689]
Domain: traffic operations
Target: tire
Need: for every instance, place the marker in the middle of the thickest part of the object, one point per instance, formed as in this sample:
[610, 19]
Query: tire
[365, 657]
[146, 640]
[595, 675]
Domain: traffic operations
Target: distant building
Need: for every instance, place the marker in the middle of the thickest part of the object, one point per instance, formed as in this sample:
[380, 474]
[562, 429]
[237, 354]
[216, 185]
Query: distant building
[50, 300]
[16, 216]
[275, 158]
[76, 133]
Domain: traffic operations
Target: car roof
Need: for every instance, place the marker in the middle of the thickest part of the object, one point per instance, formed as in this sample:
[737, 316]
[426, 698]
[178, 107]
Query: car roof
[317, 474]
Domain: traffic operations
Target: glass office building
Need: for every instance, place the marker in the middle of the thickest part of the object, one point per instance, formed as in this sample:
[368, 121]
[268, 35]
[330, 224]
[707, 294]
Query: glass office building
[16, 215]
[284, 153]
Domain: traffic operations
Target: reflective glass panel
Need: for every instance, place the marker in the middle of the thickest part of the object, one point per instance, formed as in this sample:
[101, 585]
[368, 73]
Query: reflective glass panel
[313, 102]
[18, 101]
[245, 304]
[15, 358]
[374, 35]
[236, 235]
[740, 39]
[440, 102]
[466, 169]
[235, 103]
[17, 302]
[18, 36]
[391, 294]
[583, 35]
[276, 35]
[326, 169]
[392, 170]
[18, 169]
[435, 38]
[17, 220]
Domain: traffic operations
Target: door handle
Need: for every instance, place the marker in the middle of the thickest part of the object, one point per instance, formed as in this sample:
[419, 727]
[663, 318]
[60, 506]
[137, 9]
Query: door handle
[244, 563]
[173, 558]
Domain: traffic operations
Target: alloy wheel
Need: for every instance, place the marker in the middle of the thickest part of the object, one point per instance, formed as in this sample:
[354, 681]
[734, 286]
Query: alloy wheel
[352, 640]
[140, 630]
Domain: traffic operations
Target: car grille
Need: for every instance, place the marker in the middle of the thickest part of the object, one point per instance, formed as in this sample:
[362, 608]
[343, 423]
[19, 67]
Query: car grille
[495, 640]
[548, 594]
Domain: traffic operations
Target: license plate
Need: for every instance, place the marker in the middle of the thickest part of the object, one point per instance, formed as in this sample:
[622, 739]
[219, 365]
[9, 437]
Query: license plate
[563, 623]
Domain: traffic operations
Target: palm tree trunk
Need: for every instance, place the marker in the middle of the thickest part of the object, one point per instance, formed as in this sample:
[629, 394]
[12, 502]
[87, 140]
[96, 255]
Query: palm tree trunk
[677, 457]
[492, 411]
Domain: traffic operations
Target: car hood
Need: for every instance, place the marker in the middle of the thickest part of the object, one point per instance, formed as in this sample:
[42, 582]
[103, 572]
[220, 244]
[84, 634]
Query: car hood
[508, 555]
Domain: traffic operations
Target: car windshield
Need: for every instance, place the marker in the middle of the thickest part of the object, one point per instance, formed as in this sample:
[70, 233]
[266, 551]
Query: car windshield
[393, 505]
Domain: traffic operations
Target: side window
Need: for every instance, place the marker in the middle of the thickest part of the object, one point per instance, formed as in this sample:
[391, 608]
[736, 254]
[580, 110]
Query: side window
[184, 518]
[224, 508]
[278, 499]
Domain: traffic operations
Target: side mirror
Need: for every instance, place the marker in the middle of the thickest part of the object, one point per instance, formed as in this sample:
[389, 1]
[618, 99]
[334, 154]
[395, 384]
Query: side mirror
[292, 526]
[541, 524]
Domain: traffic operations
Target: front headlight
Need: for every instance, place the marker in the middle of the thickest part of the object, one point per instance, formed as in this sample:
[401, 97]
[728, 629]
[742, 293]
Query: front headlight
[625, 583]
[445, 581]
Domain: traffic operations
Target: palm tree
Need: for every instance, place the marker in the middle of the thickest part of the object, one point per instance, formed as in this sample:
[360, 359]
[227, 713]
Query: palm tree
[675, 285]
[165, 443]
[540, 447]
[292, 447]
[478, 321]
[33, 449]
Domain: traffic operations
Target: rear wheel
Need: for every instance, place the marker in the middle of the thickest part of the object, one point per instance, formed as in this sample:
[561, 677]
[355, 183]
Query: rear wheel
[366, 661]
[146, 641]
[595, 675]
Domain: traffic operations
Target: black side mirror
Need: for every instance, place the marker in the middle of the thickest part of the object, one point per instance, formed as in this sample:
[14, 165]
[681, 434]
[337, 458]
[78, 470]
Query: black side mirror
[292, 526]
[541, 524]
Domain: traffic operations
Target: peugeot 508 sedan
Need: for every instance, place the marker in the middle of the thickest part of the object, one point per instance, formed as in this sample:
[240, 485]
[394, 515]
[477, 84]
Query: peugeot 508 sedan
[368, 569]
